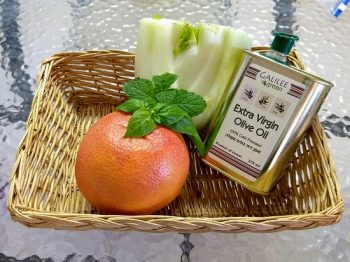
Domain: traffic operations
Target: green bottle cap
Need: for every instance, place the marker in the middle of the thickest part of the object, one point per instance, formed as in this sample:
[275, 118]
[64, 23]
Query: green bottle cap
[283, 42]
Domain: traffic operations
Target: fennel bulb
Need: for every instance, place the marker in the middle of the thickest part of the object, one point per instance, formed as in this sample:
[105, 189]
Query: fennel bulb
[203, 57]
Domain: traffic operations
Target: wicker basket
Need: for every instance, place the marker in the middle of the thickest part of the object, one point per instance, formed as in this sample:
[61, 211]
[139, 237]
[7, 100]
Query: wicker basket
[77, 88]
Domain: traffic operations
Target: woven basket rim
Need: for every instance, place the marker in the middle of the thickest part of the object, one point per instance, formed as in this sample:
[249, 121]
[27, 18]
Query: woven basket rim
[58, 214]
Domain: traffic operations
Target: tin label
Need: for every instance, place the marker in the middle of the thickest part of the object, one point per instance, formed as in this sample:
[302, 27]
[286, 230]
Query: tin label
[257, 116]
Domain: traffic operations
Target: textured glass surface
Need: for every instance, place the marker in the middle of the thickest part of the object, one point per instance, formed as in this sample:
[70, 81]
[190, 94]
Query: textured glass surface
[32, 30]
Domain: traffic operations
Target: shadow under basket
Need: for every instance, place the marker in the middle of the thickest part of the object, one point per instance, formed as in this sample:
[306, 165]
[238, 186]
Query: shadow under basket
[75, 89]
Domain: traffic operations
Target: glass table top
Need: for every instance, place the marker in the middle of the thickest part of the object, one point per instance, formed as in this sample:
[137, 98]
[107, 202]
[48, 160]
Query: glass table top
[32, 30]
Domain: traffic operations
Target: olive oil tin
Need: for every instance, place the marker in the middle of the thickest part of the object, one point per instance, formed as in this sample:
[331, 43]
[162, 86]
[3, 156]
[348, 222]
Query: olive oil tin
[261, 121]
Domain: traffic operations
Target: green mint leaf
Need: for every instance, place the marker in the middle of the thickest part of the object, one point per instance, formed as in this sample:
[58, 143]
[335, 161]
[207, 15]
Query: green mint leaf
[191, 103]
[167, 96]
[166, 114]
[163, 82]
[139, 88]
[140, 124]
[130, 105]
[186, 126]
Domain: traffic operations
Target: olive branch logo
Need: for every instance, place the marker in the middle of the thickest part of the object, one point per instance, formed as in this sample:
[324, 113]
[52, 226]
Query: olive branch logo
[248, 93]
[264, 100]
[280, 107]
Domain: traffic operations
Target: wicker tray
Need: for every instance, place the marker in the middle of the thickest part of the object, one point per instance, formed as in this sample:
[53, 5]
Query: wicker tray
[77, 88]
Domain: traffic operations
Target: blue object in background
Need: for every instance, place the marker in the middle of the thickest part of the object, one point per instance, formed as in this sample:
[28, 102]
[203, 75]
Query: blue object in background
[339, 7]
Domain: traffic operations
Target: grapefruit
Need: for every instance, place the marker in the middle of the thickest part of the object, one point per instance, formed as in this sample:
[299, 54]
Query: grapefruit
[130, 175]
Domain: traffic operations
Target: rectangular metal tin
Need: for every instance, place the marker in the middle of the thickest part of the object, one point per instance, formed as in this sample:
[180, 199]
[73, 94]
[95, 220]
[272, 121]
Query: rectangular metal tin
[284, 149]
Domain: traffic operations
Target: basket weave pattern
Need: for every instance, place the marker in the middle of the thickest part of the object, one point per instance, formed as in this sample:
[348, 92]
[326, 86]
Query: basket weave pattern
[75, 89]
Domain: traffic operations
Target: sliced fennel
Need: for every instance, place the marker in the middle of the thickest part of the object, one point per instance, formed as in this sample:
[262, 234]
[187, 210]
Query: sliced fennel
[203, 57]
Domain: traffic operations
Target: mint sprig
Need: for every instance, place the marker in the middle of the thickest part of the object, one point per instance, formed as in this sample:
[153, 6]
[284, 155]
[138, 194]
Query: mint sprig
[155, 102]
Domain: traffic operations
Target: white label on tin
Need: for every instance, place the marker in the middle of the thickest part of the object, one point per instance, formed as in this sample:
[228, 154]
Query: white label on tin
[257, 116]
